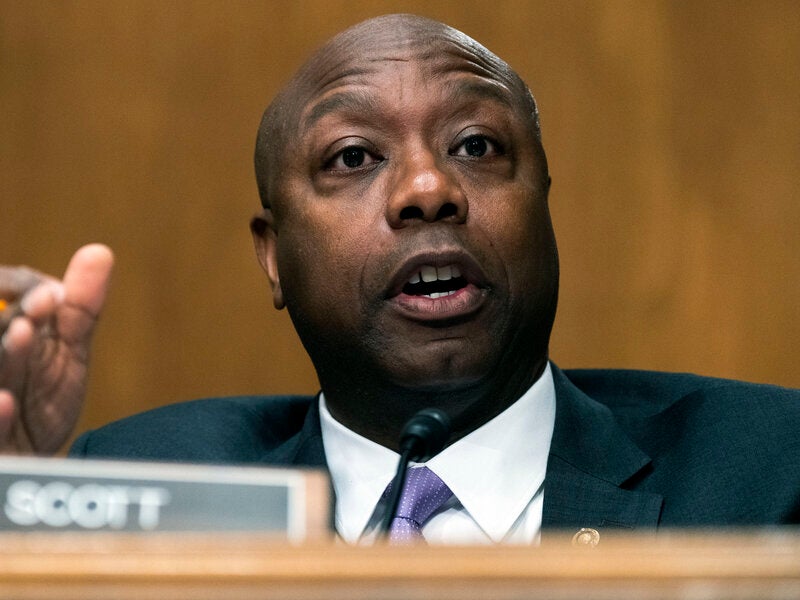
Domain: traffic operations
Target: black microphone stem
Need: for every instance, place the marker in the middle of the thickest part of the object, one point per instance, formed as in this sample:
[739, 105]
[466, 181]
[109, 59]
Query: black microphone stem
[424, 436]
[398, 483]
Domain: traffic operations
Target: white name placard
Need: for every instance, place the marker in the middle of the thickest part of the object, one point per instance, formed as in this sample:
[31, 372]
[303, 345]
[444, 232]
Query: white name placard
[47, 494]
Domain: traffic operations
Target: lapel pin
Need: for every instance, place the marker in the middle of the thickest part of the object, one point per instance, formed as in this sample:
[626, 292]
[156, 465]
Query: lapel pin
[586, 537]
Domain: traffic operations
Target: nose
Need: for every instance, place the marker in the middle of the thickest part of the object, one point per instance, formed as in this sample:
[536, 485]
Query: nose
[423, 190]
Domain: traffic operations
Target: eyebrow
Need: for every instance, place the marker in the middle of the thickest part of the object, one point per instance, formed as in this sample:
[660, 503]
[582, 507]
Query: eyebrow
[353, 101]
[360, 102]
[481, 89]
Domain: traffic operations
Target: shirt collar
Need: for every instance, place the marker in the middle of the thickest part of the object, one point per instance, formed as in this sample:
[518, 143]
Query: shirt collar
[494, 471]
[360, 471]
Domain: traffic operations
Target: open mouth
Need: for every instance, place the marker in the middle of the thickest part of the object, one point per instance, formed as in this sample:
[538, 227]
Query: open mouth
[439, 288]
[435, 282]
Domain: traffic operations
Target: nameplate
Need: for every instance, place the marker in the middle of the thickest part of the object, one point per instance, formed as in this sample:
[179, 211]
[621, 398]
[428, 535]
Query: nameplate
[47, 494]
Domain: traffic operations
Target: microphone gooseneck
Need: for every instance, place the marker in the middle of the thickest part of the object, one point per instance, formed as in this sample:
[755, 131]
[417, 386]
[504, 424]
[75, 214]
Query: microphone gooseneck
[424, 436]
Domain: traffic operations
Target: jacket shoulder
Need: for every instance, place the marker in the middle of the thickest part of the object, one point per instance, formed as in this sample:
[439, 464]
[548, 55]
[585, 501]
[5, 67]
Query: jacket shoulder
[722, 452]
[643, 393]
[235, 429]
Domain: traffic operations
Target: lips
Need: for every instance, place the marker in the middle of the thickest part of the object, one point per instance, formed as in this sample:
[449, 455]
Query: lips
[438, 286]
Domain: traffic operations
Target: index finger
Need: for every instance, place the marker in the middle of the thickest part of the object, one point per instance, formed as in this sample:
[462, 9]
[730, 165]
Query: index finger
[8, 310]
[15, 282]
[24, 291]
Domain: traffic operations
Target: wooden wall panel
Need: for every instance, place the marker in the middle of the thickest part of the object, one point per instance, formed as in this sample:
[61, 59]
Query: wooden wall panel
[673, 134]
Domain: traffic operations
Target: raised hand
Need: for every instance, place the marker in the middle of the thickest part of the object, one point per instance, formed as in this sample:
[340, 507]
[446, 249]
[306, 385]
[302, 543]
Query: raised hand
[46, 327]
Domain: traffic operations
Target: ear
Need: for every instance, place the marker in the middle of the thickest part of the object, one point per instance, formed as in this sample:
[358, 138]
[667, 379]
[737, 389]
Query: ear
[265, 239]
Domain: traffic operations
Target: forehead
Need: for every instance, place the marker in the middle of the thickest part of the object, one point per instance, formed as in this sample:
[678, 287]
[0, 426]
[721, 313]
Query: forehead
[352, 77]
[449, 64]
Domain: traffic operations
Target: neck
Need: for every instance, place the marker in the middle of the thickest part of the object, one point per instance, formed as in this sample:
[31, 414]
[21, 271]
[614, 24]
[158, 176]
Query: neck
[379, 412]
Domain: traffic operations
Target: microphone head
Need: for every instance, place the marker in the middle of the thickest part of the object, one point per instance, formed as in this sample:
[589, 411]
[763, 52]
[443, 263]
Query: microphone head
[425, 434]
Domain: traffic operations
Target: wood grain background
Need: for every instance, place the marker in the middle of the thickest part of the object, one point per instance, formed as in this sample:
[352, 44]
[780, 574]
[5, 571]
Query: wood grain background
[672, 129]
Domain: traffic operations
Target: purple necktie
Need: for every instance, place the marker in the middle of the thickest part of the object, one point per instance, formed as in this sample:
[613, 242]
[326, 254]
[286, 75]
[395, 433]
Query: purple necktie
[423, 494]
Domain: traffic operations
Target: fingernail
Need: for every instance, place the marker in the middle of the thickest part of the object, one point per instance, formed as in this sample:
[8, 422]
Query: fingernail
[56, 291]
[25, 303]
[5, 342]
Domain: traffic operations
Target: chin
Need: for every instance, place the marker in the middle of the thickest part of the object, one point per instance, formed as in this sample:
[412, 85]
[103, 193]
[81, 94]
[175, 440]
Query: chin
[448, 376]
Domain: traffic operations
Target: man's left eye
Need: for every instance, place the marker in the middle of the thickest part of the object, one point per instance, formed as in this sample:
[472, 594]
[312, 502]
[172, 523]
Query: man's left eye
[477, 146]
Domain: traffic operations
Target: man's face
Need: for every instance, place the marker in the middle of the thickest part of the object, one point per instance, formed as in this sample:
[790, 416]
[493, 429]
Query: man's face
[411, 240]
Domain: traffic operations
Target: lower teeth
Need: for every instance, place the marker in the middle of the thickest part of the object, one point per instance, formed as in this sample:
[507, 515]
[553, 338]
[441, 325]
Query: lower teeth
[435, 295]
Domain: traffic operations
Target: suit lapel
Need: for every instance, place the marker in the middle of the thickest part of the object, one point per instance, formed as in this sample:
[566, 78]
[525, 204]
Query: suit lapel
[304, 449]
[591, 458]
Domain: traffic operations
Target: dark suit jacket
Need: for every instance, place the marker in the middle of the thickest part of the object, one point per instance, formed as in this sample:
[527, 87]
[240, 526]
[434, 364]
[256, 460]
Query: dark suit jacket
[631, 449]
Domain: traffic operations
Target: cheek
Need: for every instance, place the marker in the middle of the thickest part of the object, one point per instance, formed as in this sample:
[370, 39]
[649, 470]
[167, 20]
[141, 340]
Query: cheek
[320, 262]
[518, 225]
[515, 219]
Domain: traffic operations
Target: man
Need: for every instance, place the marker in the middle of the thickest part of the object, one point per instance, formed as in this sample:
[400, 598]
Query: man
[405, 227]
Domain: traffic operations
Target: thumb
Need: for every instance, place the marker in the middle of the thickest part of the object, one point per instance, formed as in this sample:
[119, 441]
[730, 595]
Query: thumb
[86, 282]
[87, 277]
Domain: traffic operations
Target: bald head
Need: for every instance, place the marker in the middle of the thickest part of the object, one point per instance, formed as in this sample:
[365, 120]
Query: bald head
[352, 53]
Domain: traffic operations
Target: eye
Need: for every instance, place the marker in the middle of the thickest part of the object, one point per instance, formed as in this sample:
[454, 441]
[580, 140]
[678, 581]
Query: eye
[477, 146]
[351, 157]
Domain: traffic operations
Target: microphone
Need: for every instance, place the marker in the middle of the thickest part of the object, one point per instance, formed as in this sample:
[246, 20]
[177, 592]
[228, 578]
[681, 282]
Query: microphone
[423, 437]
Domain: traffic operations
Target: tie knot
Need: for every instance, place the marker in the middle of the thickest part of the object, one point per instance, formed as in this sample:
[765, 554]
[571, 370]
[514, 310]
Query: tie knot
[423, 494]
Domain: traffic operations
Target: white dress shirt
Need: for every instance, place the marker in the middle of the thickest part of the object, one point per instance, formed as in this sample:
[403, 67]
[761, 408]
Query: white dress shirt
[496, 474]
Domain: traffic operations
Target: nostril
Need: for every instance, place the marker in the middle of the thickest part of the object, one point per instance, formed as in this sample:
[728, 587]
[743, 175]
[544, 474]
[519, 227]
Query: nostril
[415, 212]
[447, 210]
[411, 212]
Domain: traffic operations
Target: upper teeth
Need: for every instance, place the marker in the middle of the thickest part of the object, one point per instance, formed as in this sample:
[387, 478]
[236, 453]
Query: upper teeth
[429, 273]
